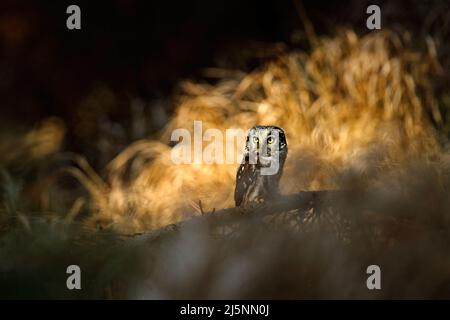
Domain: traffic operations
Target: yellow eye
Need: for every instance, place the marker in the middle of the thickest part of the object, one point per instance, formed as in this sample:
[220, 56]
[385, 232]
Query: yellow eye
[255, 139]
[270, 140]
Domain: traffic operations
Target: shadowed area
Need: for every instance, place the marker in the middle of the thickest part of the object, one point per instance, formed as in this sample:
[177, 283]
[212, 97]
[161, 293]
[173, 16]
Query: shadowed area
[87, 178]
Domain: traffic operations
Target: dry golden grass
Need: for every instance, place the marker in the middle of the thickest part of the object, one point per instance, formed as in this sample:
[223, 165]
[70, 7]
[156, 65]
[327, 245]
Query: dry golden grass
[357, 112]
[353, 103]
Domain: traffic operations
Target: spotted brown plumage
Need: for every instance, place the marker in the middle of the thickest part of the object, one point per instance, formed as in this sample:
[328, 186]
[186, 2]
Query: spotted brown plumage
[258, 176]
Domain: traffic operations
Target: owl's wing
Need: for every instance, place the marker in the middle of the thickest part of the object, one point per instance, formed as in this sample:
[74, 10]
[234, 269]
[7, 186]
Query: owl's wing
[243, 180]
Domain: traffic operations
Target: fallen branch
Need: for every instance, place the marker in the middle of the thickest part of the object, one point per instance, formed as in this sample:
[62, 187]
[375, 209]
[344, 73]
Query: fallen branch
[301, 201]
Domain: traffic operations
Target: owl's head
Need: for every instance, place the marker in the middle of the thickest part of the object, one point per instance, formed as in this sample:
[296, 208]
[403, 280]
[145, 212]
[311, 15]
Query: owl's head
[266, 144]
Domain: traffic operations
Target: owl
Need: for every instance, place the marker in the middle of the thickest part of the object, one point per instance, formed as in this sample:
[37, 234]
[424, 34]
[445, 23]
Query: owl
[259, 174]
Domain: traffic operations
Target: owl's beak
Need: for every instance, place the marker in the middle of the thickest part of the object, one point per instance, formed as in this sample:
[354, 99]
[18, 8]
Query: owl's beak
[266, 160]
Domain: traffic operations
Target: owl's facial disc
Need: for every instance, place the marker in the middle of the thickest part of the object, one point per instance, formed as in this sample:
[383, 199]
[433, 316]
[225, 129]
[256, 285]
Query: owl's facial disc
[264, 145]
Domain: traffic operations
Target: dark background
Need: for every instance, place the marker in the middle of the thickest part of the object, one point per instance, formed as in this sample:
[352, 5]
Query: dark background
[143, 48]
